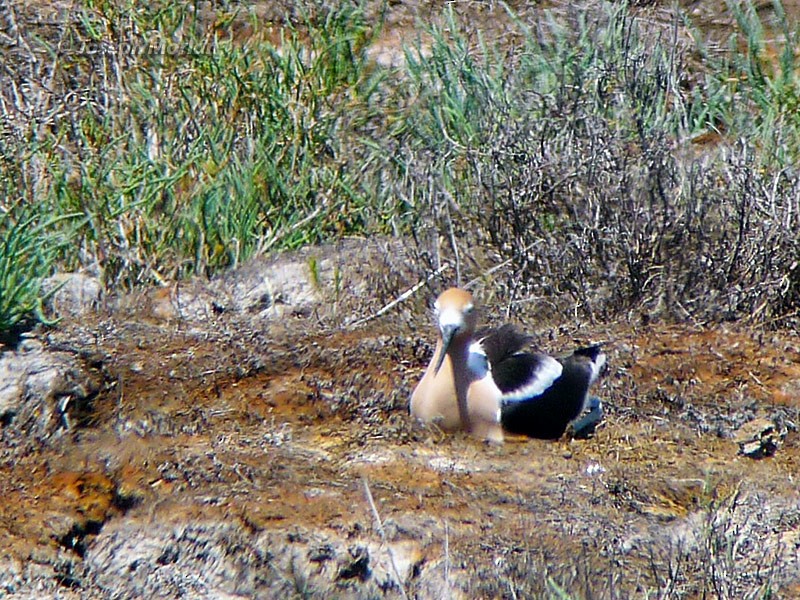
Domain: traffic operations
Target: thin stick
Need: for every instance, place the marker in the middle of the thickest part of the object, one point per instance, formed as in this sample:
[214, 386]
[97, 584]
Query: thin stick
[263, 246]
[402, 297]
[378, 522]
[452, 235]
[447, 558]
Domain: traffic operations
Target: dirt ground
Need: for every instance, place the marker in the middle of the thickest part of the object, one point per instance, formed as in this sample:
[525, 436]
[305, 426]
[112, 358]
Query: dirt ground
[239, 455]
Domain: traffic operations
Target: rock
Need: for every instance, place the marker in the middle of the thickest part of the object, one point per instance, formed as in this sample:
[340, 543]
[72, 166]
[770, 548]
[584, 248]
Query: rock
[275, 288]
[223, 559]
[72, 294]
[199, 559]
[297, 284]
[760, 438]
[182, 301]
[39, 388]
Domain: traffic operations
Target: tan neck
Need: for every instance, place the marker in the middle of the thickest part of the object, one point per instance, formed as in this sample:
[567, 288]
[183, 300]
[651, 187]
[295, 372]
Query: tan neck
[458, 353]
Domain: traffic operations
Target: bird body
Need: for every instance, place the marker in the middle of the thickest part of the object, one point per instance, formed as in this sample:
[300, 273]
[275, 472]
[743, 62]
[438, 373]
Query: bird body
[484, 383]
[464, 373]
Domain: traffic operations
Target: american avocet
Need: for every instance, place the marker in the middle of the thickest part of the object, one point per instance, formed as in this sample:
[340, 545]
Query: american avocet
[485, 383]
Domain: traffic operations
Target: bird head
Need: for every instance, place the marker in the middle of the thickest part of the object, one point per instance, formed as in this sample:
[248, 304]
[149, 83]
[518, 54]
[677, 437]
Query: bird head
[455, 316]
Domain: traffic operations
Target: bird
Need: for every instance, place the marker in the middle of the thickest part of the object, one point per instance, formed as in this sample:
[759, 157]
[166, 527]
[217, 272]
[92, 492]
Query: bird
[485, 383]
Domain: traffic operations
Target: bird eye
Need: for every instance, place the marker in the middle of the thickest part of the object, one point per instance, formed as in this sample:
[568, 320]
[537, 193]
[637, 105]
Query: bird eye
[468, 308]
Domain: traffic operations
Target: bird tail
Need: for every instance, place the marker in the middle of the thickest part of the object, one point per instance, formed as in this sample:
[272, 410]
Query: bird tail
[597, 358]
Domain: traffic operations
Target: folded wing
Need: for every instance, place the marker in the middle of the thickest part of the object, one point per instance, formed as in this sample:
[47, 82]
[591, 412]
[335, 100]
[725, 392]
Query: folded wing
[541, 395]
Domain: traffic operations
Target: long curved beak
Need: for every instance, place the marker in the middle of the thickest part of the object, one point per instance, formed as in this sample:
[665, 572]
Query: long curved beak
[448, 331]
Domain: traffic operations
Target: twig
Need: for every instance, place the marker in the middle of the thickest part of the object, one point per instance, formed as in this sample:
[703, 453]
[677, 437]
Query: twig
[402, 297]
[371, 502]
[263, 246]
[452, 236]
[447, 558]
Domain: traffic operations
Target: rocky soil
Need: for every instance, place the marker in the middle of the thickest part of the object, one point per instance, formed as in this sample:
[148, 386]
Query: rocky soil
[249, 437]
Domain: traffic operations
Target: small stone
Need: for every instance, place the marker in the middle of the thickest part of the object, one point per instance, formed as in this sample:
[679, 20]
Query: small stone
[760, 438]
[73, 294]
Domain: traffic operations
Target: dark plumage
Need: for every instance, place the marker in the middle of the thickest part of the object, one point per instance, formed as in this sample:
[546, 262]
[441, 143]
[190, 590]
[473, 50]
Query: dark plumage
[537, 400]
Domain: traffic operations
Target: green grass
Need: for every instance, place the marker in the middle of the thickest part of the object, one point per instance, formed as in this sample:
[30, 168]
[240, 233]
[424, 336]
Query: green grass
[754, 89]
[167, 146]
[27, 253]
[221, 149]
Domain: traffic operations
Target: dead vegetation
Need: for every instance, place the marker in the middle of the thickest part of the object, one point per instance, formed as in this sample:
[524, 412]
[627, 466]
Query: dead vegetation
[603, 194]
[606, 160]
